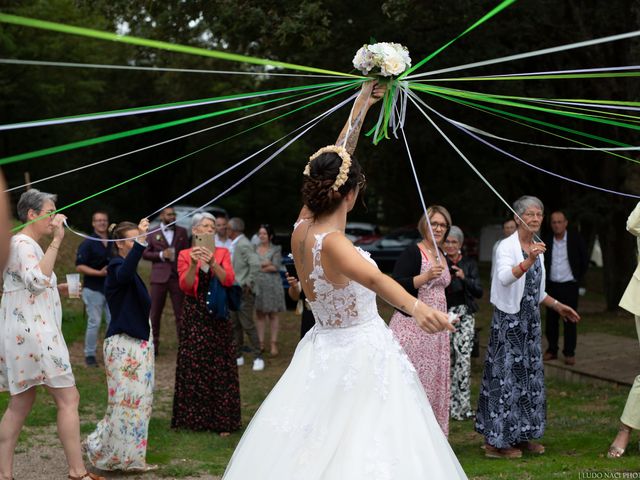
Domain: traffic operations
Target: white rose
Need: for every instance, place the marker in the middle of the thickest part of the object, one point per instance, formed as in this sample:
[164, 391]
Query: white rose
[392, 65]
[404, 54]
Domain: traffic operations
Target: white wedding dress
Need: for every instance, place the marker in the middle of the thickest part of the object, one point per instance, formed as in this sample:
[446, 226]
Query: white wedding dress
[349, 406]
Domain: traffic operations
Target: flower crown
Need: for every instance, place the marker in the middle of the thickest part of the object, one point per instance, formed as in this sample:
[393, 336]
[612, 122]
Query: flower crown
[343, 173]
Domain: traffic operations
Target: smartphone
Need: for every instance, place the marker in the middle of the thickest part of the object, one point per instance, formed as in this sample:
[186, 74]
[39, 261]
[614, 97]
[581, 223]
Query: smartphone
[291, 270]
[204, 240]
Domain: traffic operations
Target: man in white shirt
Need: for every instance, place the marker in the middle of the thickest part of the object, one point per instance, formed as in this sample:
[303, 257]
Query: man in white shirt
[566, 262]
[222, 236]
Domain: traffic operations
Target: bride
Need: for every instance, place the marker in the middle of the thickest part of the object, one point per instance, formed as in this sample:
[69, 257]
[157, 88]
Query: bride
[350, 405]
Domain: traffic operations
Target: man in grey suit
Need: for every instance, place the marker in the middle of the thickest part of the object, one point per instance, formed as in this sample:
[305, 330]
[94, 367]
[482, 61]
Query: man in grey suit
[246, 265]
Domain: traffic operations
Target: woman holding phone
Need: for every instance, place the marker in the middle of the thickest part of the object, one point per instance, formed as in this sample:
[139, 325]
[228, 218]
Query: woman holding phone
[119, 441]
[207, 391]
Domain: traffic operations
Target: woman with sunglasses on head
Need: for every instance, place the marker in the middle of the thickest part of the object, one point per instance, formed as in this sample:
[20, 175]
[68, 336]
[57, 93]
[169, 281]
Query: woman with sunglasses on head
[207, 390]
[422, 271]
[269, 291]
[32, 349]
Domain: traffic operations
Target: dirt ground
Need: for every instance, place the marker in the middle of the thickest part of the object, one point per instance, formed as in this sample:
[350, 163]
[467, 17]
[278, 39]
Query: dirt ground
[43, 457]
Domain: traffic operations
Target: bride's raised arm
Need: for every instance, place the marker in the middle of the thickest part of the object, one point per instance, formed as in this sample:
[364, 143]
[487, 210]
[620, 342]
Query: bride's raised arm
[371, 92]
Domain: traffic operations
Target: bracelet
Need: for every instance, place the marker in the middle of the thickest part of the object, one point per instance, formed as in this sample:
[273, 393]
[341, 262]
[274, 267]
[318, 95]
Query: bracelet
[555, 302]
[415, 305]
[524, 270]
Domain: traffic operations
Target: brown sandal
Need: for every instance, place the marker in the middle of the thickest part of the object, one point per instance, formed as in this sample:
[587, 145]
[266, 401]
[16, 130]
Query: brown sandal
[531, 447]
[493, 452]
[617, 452]
[87, 476]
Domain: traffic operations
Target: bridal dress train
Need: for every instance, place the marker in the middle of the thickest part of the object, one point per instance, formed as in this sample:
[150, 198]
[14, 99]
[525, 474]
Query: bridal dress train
[349, 406]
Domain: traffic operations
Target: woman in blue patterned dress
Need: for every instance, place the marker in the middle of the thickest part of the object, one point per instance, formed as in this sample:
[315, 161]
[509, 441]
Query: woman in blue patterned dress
[512, 404]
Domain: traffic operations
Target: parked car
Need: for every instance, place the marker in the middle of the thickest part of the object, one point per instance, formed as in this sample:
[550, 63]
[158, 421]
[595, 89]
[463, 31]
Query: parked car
[183, 217]
[357, 231]
[386, 249]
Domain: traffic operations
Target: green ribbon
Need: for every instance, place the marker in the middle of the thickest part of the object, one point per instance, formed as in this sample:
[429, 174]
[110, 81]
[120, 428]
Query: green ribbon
[557, 76]
[138, 131]
[504, 117]
[129, 180]
[529, 119]
[504, 4]
[145, 42]
[194, 103]
[499, 101]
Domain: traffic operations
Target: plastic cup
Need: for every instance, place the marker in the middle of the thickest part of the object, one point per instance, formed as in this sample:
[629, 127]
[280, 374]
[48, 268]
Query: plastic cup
[73, 284]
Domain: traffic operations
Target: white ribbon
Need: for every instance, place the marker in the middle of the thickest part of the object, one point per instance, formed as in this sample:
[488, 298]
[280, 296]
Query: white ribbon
[115, 114]
[17, 61]
[490, 135]
[414, 99]
[311, 124]
[534, 53]
[77, 169]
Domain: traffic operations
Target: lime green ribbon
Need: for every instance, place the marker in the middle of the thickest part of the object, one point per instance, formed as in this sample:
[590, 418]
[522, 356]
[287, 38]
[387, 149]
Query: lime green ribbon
[145, 42]
[486, 108]
[499, 100]
[193, 103]
[138, 131]
[129, 180]
[504, 4]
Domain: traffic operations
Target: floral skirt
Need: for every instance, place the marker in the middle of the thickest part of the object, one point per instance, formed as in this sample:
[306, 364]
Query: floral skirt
[119, 441]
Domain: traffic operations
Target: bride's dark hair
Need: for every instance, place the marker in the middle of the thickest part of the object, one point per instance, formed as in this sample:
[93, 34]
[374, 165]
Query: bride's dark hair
[317, 187]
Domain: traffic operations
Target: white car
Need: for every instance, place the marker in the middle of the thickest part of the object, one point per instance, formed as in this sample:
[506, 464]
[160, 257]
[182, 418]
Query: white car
[183, 219]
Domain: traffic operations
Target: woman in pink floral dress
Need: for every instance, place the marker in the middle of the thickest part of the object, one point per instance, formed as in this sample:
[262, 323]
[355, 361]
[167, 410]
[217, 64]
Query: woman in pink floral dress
[424, 273]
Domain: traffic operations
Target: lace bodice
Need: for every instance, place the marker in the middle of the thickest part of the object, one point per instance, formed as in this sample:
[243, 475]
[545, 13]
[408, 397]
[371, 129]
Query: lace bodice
[339, 306]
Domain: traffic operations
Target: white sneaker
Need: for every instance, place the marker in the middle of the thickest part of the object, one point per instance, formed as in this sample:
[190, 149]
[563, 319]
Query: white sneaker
[240, 361]
[258, 365]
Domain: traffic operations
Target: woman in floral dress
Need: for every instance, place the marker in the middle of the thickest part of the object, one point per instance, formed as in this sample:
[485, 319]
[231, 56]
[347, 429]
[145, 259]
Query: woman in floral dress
[119, 441]
[32, 349]
[512, 405]
[425, 274]
[207, 395]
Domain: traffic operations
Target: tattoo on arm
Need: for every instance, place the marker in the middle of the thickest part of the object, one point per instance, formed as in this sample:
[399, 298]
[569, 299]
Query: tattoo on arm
[354, 133]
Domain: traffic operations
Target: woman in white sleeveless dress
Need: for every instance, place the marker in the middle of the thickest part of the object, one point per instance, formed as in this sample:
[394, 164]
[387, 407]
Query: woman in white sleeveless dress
[350, 405]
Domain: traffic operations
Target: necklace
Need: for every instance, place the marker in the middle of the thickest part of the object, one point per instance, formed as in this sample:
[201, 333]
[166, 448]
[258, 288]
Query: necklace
[427, 248]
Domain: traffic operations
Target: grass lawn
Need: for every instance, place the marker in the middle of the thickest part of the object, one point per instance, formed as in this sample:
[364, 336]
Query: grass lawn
[582, 419]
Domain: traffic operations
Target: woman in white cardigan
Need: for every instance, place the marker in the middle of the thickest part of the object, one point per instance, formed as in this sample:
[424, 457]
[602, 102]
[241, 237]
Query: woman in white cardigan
[630, 301]
[512, 403]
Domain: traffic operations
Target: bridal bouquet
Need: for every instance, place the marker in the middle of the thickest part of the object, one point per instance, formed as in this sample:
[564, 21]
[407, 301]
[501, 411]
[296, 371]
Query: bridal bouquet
[384, 58]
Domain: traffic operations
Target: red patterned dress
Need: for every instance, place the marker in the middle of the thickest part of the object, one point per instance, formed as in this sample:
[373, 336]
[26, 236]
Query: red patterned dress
[207, 390]
[428, 352]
